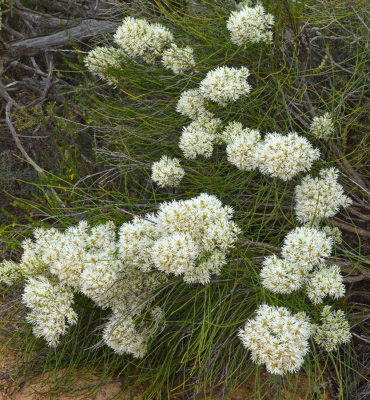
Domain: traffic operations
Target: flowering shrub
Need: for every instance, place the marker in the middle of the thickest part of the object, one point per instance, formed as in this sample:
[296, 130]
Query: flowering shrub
[189, 242]
[189, 238]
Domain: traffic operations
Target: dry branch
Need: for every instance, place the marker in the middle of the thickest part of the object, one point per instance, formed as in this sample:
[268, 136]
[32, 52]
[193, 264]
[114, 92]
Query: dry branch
[31, 46]
[17, 140]
[349, 228]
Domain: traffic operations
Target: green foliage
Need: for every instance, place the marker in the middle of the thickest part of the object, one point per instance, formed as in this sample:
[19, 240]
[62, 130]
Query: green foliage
[117, 132]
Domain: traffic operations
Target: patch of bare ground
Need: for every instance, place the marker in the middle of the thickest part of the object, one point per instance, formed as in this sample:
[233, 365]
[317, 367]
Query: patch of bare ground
[41, 387]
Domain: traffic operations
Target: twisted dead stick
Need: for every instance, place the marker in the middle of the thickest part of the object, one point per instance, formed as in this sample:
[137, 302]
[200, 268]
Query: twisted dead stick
[22, 149]
[17, 140]
[250, 243]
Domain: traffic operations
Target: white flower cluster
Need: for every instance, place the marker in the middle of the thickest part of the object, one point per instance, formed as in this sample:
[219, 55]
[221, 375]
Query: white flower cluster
[304, 250]
[81, 259]
[303, 254]
[307, 247]
[225, 84]
[277, 338]
[139, 38]
[334, 329]
[9, 272]
[319, 198]
[241, 145]
[100, 59]
[221, 85]
[167, 171]
[281, 276]
[325, 281]
[51, 312]
[334, 233]
[199, 137]
[284, 156]
[189, 238]
[123, 333]
[322, 126]
[120, 333]
[177, 59]
[191, 104]
[250, 24]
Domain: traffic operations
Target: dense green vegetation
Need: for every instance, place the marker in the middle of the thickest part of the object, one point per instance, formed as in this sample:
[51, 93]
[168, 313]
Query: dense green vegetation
[108, 137]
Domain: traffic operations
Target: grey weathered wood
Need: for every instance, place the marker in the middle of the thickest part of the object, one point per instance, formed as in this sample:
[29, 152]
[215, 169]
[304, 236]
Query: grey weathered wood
[84, 30]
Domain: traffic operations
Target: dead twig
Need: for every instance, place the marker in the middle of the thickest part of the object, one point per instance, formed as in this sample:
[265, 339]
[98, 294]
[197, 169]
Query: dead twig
[17, 140]
[250, 243]
[22, 150]
[350, 228]
[358, 278]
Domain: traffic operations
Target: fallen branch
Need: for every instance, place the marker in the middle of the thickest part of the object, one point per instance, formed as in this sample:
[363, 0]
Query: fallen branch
[250, 243]
[350, 228]
[354, 279]
[31, 46]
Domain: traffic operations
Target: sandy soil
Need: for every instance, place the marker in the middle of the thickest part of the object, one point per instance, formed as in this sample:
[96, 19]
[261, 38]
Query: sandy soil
[38, 388]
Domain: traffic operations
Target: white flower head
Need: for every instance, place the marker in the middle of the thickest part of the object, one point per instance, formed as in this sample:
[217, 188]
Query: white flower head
[250, 24]
[9, 272]
[198, 137]
[196, 142]
[319, 198]
[281, 276]
[307, 247]
[277, 338]
[211, 265]
[139, 38]
[334, 329]
[241, 146]
[191, 104]
[284, 156]
[51, 312]
[136, 239]
[322, 126]
[178, 59]
[120, 333]
[333, 232]
[167, 171]
[232, 131]
[101, 59]
[175, 253]
[224, 84]
[326, 281]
